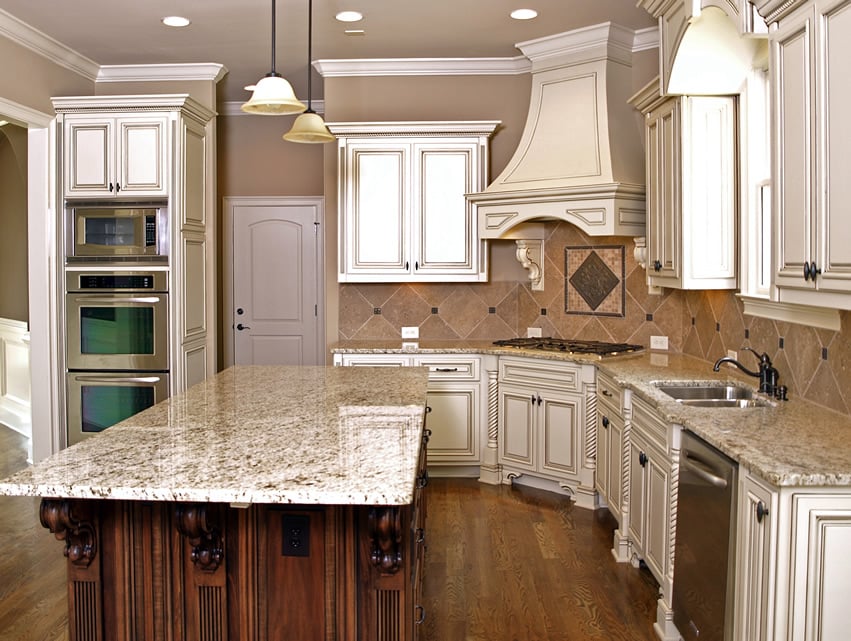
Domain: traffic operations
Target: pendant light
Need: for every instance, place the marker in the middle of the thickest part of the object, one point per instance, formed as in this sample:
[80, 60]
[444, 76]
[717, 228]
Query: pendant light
[273, 95]
[309, 126]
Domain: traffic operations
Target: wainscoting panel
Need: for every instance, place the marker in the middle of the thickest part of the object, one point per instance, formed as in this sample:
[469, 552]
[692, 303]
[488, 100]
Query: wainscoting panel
[15, 376]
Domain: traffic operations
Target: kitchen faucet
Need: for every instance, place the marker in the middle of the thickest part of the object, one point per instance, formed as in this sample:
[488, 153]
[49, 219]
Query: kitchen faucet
[767, 374]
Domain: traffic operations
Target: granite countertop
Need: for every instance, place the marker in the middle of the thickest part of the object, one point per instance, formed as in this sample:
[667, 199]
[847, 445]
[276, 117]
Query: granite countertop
[791, 443]
[302, 435]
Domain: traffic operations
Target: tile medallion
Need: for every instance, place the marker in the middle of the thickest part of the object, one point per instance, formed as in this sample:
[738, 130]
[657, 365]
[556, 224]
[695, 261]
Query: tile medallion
[594, 281]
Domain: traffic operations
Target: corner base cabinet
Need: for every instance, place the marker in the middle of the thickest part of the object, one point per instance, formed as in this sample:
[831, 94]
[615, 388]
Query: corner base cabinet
[403, 215]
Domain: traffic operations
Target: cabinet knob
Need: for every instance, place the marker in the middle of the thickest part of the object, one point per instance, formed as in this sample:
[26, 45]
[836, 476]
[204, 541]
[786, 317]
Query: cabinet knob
[607, 393]
[811, 271]
[657, 265]
[112, 188]
[540, 400]
[642, 459]
[761, 511]
[422, 479]
[117, 187]
[606, 422]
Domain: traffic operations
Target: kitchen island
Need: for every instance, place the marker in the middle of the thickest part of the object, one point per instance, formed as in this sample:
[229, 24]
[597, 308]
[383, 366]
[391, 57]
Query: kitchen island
[264, 503]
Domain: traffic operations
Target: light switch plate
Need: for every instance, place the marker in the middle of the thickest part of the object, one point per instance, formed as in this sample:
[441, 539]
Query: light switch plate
[659, 342]
[410, 332]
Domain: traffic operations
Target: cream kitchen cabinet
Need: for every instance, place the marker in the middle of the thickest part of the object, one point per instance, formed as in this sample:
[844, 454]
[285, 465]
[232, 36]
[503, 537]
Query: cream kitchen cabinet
[653, 469]
[124, 155]
[691, 189]
[811, 89]
[455, 398]
[612, 449]
[543, 426]
[403, 216]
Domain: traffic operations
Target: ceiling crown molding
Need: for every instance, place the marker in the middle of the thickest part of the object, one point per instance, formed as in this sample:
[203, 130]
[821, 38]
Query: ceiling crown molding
[151, 73]
[234, 108]
[42, 44]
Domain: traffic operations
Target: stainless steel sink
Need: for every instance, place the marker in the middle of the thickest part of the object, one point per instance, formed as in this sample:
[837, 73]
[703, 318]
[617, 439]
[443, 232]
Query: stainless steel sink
[711, 394]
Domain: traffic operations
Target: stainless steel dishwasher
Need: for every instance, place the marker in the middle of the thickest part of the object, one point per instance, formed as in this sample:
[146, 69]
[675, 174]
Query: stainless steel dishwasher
[704, 556]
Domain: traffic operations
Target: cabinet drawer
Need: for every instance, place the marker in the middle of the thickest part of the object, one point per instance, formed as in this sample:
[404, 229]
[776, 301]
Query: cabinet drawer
[376, 360]
[443, 368]
[609, 393]
[552, 374]
[644, 418]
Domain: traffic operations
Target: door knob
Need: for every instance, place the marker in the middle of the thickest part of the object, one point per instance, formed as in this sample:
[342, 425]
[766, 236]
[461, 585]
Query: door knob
[241, 327]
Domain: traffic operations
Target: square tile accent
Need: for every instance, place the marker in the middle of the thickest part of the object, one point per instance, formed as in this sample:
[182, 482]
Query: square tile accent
[594, 283]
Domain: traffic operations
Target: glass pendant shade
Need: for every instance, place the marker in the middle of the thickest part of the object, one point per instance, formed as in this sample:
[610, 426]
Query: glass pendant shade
[273, 96]
[309, 127]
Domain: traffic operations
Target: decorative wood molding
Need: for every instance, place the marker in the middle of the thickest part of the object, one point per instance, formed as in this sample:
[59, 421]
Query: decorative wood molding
[489, 472]
[206, 539]
[530, 255]
[385, 534]
[79, 535]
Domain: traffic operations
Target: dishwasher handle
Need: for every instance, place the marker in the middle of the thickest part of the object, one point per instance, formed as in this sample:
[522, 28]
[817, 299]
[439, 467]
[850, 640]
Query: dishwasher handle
[702, 469]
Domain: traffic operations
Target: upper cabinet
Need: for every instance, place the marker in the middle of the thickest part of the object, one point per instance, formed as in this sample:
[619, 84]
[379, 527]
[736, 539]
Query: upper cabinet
[403, 215]
[107, 156]
[691, 189]
[811, 89]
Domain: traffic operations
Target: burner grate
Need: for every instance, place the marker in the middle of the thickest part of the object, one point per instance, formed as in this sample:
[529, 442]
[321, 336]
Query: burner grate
[570, 346]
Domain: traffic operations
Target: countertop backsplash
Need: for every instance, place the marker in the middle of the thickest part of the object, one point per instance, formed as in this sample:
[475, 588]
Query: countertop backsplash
[814, 364]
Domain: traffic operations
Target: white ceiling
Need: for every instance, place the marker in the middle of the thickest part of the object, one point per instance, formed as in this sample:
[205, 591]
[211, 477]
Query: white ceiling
[237, 33]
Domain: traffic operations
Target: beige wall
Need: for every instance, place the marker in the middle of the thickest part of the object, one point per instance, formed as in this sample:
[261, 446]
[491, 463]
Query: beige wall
[13, 216]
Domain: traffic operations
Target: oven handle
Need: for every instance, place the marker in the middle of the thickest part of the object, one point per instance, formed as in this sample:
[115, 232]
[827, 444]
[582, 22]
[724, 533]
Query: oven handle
[118, 379]
[702, 469]
[113, 299]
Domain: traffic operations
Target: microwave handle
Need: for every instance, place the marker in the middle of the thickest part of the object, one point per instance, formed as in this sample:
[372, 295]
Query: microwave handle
[112, 299]
[122, 379]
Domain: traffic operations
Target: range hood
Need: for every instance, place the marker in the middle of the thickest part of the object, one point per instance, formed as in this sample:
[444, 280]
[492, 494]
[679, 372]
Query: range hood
[580, 157]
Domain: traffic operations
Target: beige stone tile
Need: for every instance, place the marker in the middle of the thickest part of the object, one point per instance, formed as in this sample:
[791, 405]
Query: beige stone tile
[492, 327]
[691, 344]
[377, 328]
[594, 330]
[355, 310]
[825, 391]
[763, 335]
[377, 293]
[435, 328]
[463, 310]
[803, 351]
[622, 328]
[405, 308]
[434, 293]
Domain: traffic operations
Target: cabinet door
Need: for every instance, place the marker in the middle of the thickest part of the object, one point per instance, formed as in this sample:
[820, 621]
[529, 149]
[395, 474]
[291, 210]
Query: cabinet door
[443, 225]
[559, 419]
[454, 421]
[89, 157]
[657, 484]
[376, 186]
[516, 423]
[141, 153]
[601, 478]
[663, 185]
[754, 572]
[793, 164]
[834, 132]
[615, 466]
[637, 508]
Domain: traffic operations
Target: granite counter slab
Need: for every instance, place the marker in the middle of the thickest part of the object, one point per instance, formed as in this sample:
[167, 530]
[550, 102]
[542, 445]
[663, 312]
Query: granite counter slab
[792, 443]
[253, 434]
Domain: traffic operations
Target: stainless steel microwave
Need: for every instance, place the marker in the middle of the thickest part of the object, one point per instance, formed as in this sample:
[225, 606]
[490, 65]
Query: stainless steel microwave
[123, 231]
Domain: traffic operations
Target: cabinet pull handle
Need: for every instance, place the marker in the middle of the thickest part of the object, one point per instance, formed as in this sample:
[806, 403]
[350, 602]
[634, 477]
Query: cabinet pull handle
[420, 535]
[117, 187]
[607, 393]
[540, 400]
[606, 422]
[642, 459]
[445, 369]
[407, 265]
[533, 399]
[761, 511]
[416, 265]
[111, 187]
[420, 615]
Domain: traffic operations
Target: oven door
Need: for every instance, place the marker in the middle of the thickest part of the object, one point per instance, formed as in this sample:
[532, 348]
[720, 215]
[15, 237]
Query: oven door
[97, 400]
[117, 331]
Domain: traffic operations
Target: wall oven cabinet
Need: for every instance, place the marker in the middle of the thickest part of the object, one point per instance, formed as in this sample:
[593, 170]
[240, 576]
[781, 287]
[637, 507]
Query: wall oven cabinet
[97, 400]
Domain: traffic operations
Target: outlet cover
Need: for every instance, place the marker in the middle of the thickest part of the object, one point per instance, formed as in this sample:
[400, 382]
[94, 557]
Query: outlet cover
[533, 332]
[731, 353]
[410, 332]
[659, 342]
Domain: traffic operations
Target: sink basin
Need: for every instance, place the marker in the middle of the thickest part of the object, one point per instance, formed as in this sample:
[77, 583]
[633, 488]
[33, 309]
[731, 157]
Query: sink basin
[711, 394]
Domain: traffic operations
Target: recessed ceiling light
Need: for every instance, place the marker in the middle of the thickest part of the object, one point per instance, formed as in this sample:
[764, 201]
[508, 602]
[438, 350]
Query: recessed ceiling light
[176, 21]
[524, 14]
[349, 16]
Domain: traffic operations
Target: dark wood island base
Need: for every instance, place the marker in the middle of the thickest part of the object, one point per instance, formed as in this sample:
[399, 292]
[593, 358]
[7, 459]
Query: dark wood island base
[151, 571]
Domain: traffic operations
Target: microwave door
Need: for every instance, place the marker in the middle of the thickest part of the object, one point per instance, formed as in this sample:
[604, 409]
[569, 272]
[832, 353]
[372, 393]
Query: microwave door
[111, 232]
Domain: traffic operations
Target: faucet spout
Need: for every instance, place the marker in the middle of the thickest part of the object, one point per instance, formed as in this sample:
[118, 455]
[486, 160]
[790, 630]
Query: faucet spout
[727, 359]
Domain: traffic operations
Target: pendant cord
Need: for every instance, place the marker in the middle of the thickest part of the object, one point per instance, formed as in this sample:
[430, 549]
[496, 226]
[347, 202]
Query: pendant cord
[309, 50]
[273, 38]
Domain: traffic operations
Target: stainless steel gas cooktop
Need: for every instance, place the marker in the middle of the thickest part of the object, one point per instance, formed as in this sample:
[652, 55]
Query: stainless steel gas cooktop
[571, 346]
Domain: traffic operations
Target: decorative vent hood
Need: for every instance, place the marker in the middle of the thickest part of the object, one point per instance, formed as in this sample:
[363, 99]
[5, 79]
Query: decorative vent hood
[580, 158]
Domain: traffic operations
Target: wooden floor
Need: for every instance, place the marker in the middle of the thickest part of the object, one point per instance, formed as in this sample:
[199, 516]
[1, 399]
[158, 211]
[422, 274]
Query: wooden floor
[503, 564]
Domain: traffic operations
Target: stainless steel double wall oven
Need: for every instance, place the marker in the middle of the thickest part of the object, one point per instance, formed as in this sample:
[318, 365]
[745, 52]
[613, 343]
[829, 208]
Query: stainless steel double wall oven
[116, 313]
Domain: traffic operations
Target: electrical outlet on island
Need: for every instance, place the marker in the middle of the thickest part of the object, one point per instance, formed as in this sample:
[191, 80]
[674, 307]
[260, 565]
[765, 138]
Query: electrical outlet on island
[659, 342]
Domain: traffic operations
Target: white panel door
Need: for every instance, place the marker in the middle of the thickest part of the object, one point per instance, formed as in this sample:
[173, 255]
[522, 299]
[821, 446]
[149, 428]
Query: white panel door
[275, 314]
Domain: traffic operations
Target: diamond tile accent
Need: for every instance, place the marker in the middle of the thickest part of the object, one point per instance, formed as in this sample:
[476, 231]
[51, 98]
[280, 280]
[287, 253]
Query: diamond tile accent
[595, 283]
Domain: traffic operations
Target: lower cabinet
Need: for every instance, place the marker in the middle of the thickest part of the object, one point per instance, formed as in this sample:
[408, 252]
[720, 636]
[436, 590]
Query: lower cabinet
[543, 428]
[455, 397]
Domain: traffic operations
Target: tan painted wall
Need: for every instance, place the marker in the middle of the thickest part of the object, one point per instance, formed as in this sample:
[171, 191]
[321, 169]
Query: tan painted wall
[13, 217]
[204, 91]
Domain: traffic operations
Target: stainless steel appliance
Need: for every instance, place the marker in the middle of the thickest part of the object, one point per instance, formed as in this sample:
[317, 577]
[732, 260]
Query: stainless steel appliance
[704, 556]
[571, 346]
[117, 320]
[116, 232]
[97, 400]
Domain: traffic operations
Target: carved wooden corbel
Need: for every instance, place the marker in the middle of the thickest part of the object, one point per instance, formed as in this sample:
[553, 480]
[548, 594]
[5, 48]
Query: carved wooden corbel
[205, 539]
[385, 533]
[79, 535]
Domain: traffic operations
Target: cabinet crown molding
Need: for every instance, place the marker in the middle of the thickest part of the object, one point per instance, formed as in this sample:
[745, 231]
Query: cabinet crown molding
[415, 128]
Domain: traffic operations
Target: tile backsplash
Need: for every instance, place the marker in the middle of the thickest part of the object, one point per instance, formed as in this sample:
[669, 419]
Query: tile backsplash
[813, 363]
